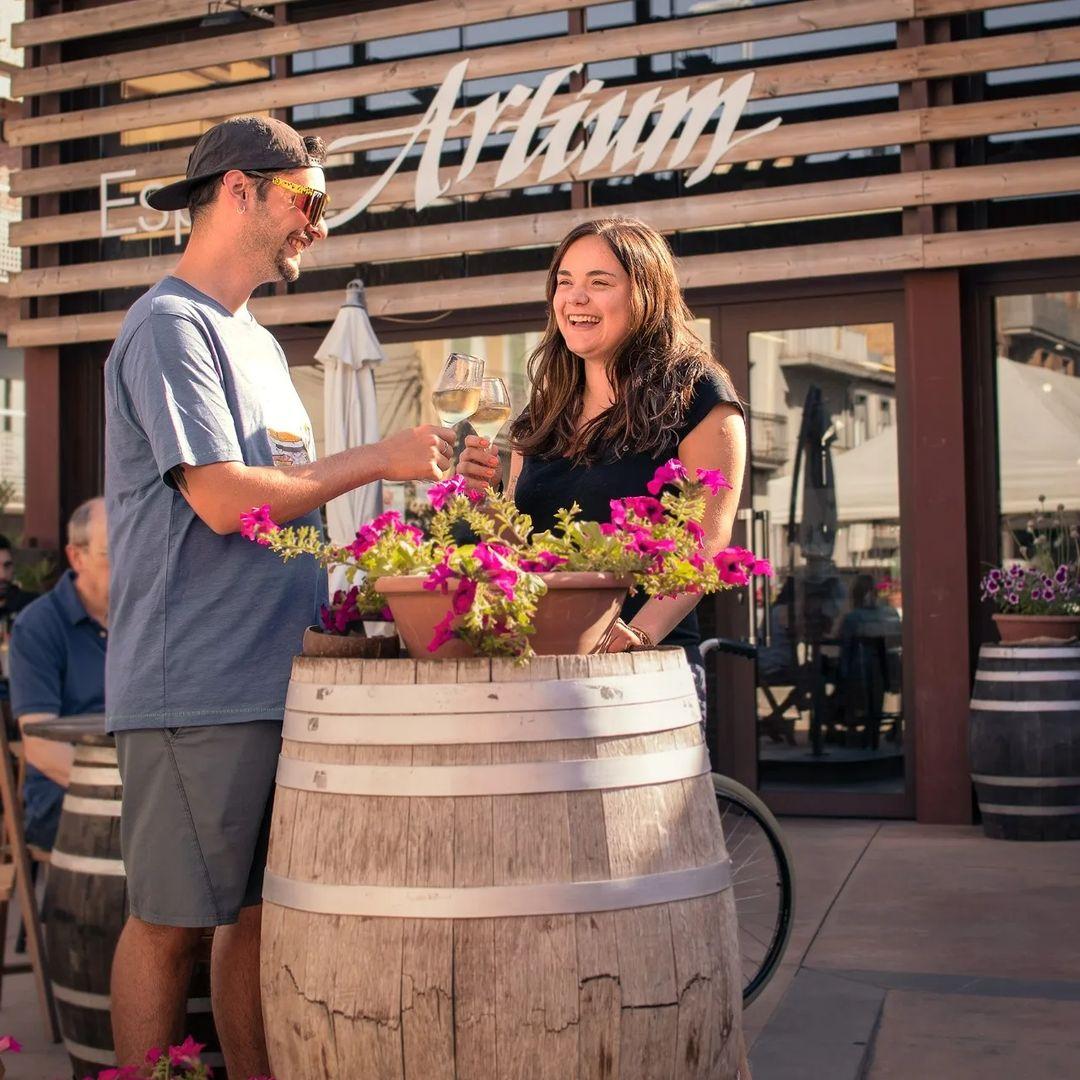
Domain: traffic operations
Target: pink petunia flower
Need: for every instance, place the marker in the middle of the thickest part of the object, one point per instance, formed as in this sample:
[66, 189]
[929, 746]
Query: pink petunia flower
[10, 1045]
[645, 507]
[713, 479]
[439, 577]
[729, 563]
[187, 1053]
[367, 536]
[668, 473]
[125, 1072]
[154, 1055]
[256, 523]
[439, 494]
[696, 531]
[464, 595]
[618, 513]
[442, 633]
[762, 568]
[544, 562]
[608, 529]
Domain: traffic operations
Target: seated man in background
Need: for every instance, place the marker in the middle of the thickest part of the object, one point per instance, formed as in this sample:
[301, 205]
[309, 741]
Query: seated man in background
[13, 598]
[57, 664]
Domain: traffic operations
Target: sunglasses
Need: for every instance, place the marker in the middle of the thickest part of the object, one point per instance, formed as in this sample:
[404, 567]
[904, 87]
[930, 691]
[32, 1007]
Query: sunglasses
[308, 201]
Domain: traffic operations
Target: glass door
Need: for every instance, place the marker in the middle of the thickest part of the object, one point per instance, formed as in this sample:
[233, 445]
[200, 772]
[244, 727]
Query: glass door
[817, 721]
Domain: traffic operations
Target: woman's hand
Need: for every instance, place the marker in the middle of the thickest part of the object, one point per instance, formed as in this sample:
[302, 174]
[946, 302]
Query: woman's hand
[477, 463]
[621, 638]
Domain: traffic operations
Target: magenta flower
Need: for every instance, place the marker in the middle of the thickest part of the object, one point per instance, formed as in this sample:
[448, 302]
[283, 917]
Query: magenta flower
[444, 490]
[730, 564]
[187, 1053]
[256, 523]
[442, 633]
[154, 1055]
[463, 596]
[544, 562]
[125, 1072]
[9, 1044]
[342, 612]
[388, 517]
[713, 479]
[618, 514]
[646, 507]
[668, 473]
[762, 568]
[608, 529]
[439, 577]
[696, 531]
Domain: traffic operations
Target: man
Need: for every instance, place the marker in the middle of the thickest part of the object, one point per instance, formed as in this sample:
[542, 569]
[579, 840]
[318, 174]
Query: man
[203, 424]
[57, 664]
[12, 598]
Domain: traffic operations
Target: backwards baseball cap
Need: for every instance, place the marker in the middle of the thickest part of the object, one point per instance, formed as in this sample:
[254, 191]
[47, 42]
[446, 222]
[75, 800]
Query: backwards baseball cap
[247, 143]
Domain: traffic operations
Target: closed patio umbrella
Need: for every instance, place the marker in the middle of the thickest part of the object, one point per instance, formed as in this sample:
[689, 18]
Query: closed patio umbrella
[349, 354]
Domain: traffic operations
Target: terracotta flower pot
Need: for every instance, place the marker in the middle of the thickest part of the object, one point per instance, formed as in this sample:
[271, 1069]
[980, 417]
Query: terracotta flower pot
[572, 618]
[1014, 629]
[349, 646]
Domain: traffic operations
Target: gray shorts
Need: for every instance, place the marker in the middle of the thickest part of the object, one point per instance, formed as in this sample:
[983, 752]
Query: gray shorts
[195, 819]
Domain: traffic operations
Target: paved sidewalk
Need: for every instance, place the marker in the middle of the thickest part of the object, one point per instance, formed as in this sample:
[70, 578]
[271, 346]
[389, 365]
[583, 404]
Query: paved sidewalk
[918, 953]
[924, 952]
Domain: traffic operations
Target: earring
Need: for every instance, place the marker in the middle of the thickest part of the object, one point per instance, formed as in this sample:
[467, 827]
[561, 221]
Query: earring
[242, 208]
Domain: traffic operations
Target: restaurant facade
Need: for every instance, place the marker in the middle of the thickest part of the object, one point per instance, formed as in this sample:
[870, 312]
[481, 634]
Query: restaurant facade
[875, 205]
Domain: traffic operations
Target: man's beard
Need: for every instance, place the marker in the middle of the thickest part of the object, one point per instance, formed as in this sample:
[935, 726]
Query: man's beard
[286, 270]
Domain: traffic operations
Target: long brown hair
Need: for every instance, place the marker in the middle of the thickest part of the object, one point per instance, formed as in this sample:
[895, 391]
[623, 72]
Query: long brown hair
[652, 374]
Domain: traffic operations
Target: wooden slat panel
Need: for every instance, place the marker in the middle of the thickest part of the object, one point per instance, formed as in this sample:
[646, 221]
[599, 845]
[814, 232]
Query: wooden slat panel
[836, 73]
[794, 202]
[107, 19]
[889, 254]
[821, 136]
[638, 40]
[276, 41]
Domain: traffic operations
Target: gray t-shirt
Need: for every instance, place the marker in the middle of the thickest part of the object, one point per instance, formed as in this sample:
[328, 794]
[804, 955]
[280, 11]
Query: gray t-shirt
[202, 627]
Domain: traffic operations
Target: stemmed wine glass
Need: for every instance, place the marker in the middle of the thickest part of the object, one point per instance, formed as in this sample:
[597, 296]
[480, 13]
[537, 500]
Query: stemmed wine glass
[457, 392]
[493, 409]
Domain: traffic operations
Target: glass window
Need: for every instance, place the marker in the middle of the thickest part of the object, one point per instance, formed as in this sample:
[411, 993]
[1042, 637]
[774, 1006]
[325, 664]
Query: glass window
[1038, 416]
[824, 478]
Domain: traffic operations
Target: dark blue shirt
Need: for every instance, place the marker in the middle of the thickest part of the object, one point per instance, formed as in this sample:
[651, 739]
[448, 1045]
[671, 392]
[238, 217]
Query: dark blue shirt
[57, 656]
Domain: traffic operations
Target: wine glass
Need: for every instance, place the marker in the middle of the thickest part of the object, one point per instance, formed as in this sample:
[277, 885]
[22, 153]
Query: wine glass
[457, 392]
[493, 409]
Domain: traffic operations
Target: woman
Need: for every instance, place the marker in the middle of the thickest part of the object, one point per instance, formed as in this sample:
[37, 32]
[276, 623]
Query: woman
[621, 384]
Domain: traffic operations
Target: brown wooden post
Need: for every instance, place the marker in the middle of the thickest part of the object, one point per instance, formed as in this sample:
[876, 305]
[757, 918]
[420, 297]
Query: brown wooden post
[934, 546]
[43, 515]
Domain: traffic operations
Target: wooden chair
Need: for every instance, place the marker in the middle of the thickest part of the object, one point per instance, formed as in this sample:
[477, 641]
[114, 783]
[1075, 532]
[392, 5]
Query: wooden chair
[16, 880]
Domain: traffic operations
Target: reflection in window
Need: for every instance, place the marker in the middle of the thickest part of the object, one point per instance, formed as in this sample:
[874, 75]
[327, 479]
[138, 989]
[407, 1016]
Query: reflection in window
[824, 472]
[1038, 413]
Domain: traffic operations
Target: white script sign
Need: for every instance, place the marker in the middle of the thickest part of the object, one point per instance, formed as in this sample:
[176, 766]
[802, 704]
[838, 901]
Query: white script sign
[609, 145]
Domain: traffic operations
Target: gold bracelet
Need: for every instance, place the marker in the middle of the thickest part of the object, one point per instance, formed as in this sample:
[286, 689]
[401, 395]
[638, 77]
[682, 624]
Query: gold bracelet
[646, 641]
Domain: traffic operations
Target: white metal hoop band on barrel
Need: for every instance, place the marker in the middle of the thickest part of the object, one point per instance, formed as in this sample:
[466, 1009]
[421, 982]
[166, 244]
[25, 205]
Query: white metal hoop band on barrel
[94, 776]
[497, 901]
[634, 770]
[436, 699]
[95, 755]
[465, 728]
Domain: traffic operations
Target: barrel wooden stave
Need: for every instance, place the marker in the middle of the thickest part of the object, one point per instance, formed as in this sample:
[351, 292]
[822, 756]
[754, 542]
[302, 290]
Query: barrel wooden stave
[1025, 760]
[620, 994]
[85, 911]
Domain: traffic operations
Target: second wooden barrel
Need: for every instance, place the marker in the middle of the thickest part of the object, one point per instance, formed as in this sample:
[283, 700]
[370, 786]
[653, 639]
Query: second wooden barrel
[482, 871]
[1025, 741]
[85, 910]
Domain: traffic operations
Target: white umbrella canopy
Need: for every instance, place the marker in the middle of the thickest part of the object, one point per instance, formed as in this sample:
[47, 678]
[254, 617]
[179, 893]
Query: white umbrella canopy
[349, 354]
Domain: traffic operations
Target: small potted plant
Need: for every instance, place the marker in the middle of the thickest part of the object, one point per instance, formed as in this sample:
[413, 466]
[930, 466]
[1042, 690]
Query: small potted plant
[513, 592]
[1038, 598]
[342, 633]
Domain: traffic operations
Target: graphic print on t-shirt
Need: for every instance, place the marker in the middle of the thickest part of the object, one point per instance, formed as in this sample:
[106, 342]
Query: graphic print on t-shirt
[289, 448]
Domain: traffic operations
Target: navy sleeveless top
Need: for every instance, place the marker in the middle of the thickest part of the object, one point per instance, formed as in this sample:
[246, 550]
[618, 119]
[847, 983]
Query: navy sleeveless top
[546, 485]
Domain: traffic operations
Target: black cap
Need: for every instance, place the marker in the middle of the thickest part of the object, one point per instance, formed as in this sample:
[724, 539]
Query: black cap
[247, 143]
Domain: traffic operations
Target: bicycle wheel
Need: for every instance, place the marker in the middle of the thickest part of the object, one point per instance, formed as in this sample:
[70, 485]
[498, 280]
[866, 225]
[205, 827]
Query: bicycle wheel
[762, 879]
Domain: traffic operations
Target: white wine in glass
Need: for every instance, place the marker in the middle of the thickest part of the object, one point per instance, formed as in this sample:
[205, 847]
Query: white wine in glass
[493, 409]
[457, 392]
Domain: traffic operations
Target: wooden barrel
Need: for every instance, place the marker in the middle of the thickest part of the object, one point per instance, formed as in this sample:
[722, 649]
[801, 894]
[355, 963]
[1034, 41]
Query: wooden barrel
[1025, 741]
[482, 871]
[85, 910]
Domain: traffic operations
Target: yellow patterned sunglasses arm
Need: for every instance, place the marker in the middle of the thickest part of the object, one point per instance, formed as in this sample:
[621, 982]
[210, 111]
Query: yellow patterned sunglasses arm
[297, 189]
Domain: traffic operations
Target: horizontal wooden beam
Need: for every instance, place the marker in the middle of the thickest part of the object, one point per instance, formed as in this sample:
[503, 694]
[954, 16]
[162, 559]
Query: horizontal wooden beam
[792, 140]
[638, 40]
[275, 41]
[804, 262]
[796, 202]
[835, 73]
[110, 18]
